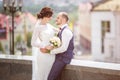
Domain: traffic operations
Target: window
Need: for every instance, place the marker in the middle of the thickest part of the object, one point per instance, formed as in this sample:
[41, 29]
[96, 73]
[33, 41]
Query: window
[105, 29]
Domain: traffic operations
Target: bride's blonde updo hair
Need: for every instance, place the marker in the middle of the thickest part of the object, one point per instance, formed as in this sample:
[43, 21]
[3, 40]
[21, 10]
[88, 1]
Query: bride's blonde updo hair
[45, 12]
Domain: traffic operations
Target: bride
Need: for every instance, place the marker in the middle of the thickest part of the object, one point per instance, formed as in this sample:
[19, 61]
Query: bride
[42, 33]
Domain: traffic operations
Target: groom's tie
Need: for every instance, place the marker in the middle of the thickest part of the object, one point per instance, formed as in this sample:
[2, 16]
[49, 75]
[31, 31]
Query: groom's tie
[60, 29]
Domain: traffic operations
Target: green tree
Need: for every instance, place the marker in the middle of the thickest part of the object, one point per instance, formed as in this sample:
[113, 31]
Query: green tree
[18, 38]
[1, 47]
[29, 36]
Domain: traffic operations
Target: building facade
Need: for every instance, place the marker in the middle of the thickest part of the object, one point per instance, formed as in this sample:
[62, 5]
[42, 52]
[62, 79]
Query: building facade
[105, 33]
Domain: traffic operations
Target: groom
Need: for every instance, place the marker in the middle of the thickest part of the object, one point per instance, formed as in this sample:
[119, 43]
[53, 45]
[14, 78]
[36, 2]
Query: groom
[64, 53]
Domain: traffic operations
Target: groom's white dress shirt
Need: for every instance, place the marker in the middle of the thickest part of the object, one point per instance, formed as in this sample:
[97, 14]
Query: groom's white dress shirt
[66, 37]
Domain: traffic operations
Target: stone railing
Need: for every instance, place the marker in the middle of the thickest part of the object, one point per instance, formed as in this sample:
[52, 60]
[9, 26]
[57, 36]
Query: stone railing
[90, 70]
[20, 68]
[15, 67]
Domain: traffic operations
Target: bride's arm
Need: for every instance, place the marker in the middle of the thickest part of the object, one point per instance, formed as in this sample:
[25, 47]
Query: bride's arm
[54, 28]
[35, 41]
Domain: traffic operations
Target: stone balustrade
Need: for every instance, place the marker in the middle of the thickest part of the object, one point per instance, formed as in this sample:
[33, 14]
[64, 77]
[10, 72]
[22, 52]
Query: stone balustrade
[13, 67]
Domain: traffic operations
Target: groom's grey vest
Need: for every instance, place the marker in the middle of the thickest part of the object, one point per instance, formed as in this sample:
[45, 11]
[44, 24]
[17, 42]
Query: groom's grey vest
[68, 54]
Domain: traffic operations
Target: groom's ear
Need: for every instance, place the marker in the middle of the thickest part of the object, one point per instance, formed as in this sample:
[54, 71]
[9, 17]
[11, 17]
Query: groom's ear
[63, 20]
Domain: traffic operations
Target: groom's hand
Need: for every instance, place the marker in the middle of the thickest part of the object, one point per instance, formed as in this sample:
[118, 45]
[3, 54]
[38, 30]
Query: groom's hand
[44, 50]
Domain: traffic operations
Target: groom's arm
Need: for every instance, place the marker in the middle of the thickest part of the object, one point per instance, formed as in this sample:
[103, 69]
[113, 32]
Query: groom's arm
[66, 37]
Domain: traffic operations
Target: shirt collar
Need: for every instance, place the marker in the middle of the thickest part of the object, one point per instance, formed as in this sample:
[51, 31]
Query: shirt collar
[63, 26]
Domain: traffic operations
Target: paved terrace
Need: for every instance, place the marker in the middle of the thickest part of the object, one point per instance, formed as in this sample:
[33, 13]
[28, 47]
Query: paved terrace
[13, 67]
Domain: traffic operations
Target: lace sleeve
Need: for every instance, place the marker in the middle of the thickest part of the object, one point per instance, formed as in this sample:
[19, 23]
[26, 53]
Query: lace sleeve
[35, 41]
[56, 30]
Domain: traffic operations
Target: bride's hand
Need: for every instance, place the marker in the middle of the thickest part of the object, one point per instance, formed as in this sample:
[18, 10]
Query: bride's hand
[49, 47]
[44, 50]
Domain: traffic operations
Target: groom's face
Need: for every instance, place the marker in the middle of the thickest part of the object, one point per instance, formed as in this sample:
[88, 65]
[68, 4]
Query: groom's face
[59, 20]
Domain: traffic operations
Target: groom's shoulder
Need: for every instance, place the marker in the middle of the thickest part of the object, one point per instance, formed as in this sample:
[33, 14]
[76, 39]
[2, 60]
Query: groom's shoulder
[68, 31]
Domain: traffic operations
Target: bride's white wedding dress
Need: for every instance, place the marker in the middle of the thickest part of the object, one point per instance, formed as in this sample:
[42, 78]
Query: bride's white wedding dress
[42, 63]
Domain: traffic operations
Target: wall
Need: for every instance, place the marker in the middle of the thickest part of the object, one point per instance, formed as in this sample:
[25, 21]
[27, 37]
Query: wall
[96, 18]
[20, 68]
[13, 68]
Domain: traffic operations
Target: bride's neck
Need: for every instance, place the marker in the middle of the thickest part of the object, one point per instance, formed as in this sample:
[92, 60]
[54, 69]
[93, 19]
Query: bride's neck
[43, 22]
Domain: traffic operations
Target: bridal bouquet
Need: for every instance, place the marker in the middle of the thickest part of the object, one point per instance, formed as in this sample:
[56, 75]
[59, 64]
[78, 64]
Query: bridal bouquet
[55, 41]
